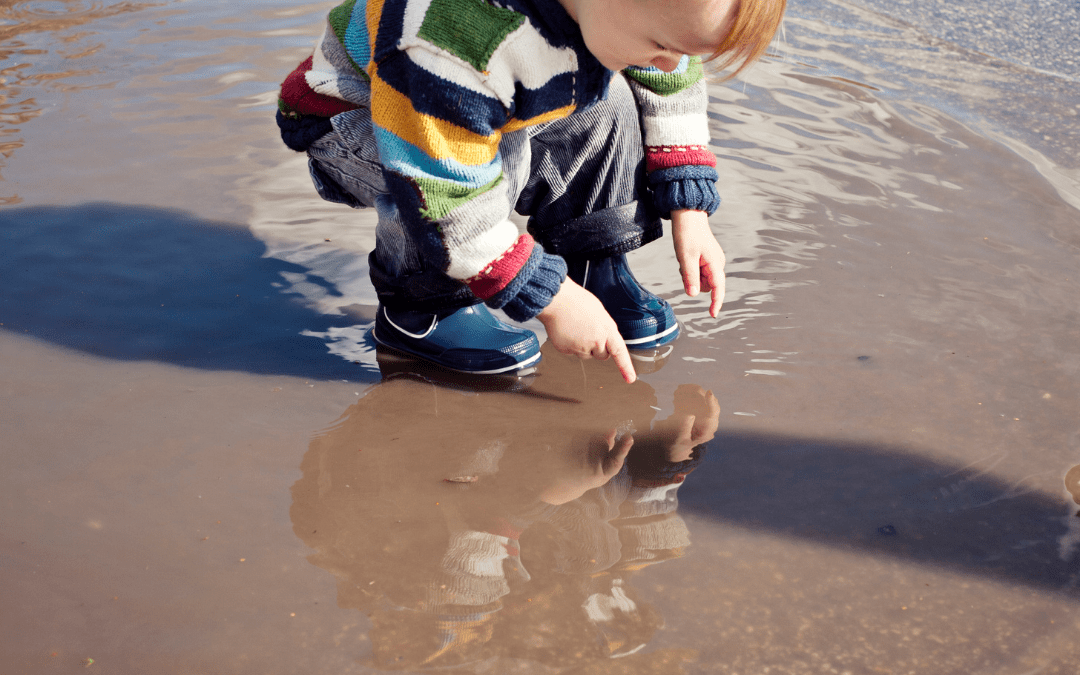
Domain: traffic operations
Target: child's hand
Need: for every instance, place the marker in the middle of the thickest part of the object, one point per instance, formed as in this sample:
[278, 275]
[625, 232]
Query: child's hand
[701, 259]
[695, 421]
[578, 324]
[584, 470]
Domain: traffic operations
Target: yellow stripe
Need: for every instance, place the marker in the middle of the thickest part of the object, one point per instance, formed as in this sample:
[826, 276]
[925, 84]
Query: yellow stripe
[558, 113]
[372, 14]
[393, 111]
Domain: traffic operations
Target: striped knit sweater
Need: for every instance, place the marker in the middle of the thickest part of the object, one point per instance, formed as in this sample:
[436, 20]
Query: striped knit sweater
[444, 80]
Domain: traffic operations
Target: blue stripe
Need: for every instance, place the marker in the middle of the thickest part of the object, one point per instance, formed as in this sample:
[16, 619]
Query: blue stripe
[400, 156]
[442, 99]
[551, 21]
[391, 23]
[554, 94]
[357, 42]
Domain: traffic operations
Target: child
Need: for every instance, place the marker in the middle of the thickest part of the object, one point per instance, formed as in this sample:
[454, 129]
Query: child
[446, 115]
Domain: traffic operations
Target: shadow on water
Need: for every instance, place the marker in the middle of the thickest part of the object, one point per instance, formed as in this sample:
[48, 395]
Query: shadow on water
[890, 502]
[139, 283]
[495, 525]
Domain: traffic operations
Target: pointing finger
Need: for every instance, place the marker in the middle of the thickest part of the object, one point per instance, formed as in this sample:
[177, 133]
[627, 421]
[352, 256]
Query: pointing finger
[617, 350]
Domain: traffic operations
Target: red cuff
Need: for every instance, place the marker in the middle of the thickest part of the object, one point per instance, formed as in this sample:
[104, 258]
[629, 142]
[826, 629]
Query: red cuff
[502, 270]
[669, 156]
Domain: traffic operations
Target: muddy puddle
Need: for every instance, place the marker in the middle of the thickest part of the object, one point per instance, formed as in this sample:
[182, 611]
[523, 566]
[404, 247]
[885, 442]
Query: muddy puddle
[867, 464]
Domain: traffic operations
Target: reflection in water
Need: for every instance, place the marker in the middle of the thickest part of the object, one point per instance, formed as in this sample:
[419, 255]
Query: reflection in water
[479, 526]
[1068, 542]
[20, 80]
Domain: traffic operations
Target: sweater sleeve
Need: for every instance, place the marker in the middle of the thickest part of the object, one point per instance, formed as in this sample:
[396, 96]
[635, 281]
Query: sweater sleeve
[681, 168]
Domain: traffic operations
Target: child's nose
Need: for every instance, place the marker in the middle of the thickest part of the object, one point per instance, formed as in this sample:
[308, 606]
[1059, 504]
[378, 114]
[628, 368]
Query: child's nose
[667, 62]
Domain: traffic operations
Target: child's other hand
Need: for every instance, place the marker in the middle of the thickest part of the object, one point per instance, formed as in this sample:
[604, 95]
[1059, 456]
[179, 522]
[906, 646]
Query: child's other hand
[578, 324]
[701, 259]
[582, 470]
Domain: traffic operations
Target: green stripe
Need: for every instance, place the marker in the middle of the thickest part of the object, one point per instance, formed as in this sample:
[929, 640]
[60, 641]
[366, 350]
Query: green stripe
[468, 29]
[442, 196]
[666, 84]
[340, 17]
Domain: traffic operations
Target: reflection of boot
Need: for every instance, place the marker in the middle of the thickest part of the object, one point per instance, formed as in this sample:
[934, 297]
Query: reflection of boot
[394, 365]
[469, 340]
[644, 320]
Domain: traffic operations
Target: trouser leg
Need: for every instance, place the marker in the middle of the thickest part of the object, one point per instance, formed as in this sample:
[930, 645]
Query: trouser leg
[586, 191]
[345, 168]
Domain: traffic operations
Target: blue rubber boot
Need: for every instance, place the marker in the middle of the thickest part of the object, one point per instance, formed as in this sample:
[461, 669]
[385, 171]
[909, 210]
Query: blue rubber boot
[645, 321]
[469, 340]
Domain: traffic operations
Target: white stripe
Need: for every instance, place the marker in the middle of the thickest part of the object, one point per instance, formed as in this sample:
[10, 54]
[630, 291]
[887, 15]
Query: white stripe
[526, 57]
[656, 494]
[318, 59]
[468, 257]
[506, 369]
[325, 78]
[323, 83]
[432, 58]
[445, 65]
[478, 554]
[657, 336]
[415, 10]
[677, 130]
[601, 608]
[522, 57]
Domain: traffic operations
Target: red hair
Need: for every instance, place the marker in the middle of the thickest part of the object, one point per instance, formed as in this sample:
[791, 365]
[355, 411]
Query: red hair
[753, 27]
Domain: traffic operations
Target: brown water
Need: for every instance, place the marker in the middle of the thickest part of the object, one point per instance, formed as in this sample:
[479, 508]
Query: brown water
[204, 471]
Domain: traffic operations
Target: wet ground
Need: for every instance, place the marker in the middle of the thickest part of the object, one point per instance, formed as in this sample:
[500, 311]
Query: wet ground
[873, 452]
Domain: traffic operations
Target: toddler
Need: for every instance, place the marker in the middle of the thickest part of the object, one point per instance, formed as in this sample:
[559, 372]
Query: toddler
[586, 116]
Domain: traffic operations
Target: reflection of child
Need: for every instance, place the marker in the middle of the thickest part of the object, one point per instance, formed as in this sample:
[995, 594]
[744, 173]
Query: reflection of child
[447, 115]
[530, 557]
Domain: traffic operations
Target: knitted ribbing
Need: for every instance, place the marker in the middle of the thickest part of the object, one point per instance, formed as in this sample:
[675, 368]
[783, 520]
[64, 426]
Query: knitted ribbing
[533, 287]
[686, 187]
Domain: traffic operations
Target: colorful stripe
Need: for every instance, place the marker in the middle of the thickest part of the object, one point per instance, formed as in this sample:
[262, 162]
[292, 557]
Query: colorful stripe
[550, 116]
[356, 45]
[687, 129]
[407, 159]
[386, 34]
[297, 95]
[668, 156]
[469, 29]
[437, 95]
[440, 139]
[685, 74]
[474, 242]
[501, 271]
[527, 61]
[372, 15]
[443, 196]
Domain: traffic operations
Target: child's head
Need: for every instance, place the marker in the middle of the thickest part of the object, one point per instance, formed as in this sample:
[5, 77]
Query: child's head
[622, 33]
